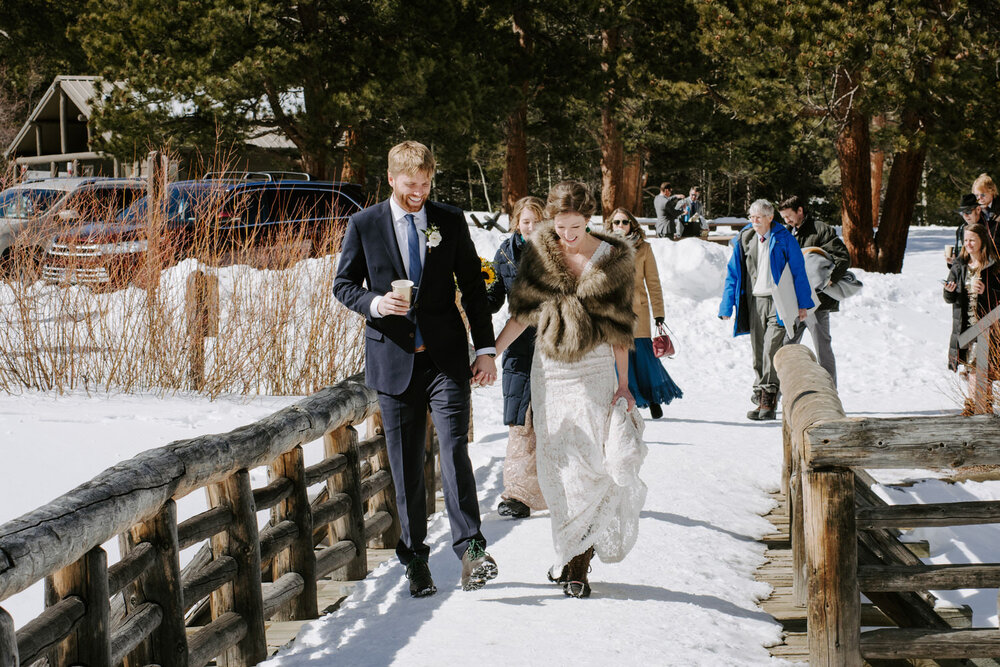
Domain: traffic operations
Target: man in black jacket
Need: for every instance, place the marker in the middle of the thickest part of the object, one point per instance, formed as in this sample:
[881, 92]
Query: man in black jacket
[813, 233]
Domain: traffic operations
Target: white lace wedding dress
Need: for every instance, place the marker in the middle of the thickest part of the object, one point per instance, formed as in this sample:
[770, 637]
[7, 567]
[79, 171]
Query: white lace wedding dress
[588, 455]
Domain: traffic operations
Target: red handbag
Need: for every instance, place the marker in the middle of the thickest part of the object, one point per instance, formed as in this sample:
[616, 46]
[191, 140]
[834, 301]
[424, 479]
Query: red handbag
[662, 345]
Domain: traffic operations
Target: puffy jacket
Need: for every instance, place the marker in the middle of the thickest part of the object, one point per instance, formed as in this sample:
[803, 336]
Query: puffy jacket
[784, 251]
[516, 362]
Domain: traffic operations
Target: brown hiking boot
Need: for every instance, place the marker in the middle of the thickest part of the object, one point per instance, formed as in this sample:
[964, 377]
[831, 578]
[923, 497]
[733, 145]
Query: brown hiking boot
[478, 567]
[579, 566]
[768, 404]
[755, 413]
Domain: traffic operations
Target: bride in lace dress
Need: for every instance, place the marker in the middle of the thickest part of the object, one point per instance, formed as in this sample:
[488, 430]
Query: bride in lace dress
[575, 287]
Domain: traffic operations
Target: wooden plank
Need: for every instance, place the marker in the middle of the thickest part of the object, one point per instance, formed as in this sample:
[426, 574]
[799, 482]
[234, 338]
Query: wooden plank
[928, 515]
[161, 584]
[321, 471]
[281, 592]
[130, 567]
[831, 553]
[923, 643]
[336, 557]
[8, 640]
[201, 526]
[331, 510]
[376, 525]
[137, 626]
[927, 577]
[979, 328]
[272, 494]
[90, 641]
[216, 638]
[904, 442]
[208, 578]
[49, 628]
[371, 446]
[378, 481]
[243, 595]
[352, 526]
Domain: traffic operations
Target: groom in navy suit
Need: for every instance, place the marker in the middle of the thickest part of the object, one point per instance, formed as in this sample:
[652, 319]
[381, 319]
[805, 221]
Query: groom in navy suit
[416, 353]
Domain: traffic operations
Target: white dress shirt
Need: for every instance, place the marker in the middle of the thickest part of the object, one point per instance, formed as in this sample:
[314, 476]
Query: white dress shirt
[764, 285]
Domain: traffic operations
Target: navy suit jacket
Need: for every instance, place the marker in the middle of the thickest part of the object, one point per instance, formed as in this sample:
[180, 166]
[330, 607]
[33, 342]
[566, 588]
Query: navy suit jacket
[370, 259]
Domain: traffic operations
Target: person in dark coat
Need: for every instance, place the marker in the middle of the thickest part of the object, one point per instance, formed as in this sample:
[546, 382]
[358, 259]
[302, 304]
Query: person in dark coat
[973, 290]
[973, 213]
[985, 191]
[520, 476]
[811, 233]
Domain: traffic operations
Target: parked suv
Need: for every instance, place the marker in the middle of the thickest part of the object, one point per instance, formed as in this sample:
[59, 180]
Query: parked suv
[22, 207]
[214, 218]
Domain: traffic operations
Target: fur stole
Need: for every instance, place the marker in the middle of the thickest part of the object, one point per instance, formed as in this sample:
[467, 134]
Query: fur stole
[573, 317]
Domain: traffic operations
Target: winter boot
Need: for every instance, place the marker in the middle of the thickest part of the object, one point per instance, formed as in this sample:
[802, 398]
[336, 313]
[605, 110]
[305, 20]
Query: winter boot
[755, 413]
[655, 411]
[579, 566]
[768, 405]
[513, 508]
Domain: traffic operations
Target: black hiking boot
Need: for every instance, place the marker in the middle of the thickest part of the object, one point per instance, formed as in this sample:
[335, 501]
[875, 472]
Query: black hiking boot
[655, 411]
[419, 574]
[513, 508]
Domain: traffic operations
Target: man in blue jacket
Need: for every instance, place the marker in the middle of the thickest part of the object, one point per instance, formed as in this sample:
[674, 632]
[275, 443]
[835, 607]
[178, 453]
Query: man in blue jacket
[761, 252]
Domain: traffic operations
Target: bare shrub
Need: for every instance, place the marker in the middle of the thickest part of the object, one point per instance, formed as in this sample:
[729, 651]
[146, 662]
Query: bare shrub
[279, 328]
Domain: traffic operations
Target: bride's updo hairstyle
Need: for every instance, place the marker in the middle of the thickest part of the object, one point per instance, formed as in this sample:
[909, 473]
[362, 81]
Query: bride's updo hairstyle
[570, 197]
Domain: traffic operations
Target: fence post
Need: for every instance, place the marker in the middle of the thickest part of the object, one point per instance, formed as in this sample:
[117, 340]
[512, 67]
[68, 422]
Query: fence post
[90, 642]
[344, 441]
[299, 556]
[982, 396]
[834, 617]
[384, 500]
[201, 300]
[244, 594]
[8, 641]
[162, 584]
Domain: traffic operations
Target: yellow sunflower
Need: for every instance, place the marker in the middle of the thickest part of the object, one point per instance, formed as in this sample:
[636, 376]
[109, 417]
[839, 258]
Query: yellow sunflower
[489, 273]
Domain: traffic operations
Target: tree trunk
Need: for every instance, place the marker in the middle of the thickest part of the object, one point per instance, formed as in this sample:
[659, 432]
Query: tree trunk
[853, 155]
[633, 180]
[878, 167]
[515, 171]
[315, 163]
[354, 169]
[900, 201]
[611, 142]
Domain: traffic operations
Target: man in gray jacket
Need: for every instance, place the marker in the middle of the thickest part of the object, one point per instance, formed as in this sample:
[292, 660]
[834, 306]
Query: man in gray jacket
[665, 204]
[813, 233]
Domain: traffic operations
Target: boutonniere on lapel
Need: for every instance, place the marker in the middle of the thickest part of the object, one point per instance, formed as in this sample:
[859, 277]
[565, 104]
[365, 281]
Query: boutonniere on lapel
[433, 237]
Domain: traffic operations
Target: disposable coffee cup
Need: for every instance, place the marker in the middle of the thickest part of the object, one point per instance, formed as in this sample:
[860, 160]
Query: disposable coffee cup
[404, 288]
[949, 252]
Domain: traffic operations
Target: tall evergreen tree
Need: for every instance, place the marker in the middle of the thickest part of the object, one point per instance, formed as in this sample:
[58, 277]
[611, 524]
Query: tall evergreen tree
[919, 66]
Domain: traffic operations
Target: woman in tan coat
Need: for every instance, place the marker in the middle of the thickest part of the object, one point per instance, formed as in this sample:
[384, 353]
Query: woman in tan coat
[648, 380]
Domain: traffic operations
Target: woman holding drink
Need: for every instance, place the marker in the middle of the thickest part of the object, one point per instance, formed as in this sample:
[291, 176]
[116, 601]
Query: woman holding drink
[973, 289]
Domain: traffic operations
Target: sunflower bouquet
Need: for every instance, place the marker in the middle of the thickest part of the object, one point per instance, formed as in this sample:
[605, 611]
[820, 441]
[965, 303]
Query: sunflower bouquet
[488, 271]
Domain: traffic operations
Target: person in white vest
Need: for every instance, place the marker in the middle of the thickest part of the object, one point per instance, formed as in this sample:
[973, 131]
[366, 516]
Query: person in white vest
[766, 283]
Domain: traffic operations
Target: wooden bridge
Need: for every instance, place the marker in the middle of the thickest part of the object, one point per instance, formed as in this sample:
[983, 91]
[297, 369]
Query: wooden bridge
[244, 581]
[838, 540]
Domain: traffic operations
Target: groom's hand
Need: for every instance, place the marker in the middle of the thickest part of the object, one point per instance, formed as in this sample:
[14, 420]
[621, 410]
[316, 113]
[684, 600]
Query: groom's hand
[484, 370]
[393, 304]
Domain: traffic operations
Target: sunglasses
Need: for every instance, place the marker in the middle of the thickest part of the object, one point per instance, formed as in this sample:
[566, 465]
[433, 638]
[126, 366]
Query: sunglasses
[619, 222]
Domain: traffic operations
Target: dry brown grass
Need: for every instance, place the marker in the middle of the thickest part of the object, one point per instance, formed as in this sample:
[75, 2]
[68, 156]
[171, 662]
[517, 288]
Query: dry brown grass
[280, 330]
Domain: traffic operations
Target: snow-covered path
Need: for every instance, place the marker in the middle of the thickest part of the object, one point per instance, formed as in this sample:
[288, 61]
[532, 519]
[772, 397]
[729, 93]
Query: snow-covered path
[685, 595]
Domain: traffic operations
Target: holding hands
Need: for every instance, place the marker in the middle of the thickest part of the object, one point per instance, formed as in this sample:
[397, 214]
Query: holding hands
[484, 371]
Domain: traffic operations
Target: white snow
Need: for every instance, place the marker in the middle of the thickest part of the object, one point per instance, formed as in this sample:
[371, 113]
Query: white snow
[686, 594]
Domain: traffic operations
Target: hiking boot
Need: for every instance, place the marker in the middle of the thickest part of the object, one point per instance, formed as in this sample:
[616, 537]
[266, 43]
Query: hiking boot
[478, 567]
[579, 567]
[419, 574]
[513, 508]
[655, 411]
[768, 405]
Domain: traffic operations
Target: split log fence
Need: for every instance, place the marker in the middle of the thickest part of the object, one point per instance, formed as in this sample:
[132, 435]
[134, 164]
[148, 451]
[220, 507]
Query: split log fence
[844, 537]
[140, 610]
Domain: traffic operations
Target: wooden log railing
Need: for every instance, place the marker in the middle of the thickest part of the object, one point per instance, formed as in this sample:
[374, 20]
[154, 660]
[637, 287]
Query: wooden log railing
[843, 535]
[61, 542]
[982, 332]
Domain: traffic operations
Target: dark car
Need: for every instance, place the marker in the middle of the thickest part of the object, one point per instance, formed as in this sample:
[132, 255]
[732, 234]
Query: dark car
[215, 219]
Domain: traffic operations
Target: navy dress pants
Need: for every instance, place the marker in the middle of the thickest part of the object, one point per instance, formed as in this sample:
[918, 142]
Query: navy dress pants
[404, 418]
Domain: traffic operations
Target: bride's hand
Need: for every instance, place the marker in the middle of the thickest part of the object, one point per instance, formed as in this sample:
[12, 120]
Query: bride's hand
[623, 392]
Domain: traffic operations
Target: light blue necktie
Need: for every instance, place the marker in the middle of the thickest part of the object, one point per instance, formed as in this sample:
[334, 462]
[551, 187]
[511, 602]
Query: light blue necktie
[413, 246]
